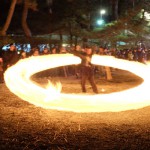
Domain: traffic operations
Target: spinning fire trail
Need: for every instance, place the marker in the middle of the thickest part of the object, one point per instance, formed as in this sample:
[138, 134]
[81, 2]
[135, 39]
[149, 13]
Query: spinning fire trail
[18, 80]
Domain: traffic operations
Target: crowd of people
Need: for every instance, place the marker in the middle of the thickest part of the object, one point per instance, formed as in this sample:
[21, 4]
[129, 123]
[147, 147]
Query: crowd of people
[11, 56]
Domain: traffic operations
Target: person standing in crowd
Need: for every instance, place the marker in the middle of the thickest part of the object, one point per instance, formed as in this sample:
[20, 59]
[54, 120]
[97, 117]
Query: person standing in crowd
[10, 57]
[135, 54]
[130, 55]
[87, 68]
[143, 56]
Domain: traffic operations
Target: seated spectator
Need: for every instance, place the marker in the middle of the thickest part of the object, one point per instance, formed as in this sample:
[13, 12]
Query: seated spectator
[45, 51]
[23, 55]
[54, 50]
[36, 52]
[62, 50]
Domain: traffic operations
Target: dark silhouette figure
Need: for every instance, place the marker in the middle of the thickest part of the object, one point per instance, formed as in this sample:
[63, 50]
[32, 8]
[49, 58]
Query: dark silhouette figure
[87, 69]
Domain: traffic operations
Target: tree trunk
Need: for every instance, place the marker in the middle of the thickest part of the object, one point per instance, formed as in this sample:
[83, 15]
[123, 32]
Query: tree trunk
[49, 4]
[133, 4]
[24, 20]
[114, 4]
[71, 39]
[9, 17]
[70, 33]
[76, 40]
[61, 37]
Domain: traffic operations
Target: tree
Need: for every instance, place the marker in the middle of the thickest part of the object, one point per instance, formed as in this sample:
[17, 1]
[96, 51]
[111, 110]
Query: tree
[114, 9]
[130, 26]
[28, 4]
[9, 17]
[49, 4]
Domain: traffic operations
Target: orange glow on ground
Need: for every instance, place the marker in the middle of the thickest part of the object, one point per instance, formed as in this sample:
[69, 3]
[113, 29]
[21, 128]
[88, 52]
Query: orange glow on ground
[18, 80]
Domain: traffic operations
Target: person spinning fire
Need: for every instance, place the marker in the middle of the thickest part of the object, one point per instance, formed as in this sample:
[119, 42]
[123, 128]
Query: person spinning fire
[87, 69]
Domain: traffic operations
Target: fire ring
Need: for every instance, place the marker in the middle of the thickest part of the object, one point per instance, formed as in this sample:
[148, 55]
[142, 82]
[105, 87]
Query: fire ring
[17, 79]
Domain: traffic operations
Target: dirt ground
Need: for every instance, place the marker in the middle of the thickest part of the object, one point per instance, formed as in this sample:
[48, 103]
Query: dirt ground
[24, 126]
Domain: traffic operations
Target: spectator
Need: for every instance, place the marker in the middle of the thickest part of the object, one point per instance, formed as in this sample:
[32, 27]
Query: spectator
[36, 52]
[113, 52]
[135, 54]
[23, 55]
[54, 50]
[130, 55]
[62, 50]
[10, 57]
[143, 56]
[101, 51]
[123, 54]
[45, 51]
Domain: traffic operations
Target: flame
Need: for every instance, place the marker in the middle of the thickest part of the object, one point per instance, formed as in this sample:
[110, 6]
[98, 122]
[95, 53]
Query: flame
[53, 91]
[18, 80]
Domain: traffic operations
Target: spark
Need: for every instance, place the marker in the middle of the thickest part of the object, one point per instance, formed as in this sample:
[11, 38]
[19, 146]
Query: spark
[18, 80]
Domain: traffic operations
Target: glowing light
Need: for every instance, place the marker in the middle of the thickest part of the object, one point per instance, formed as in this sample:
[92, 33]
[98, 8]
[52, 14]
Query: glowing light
[102, 12]
[18, 80]
[147, 15]
[100, 22]
[64, 44]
